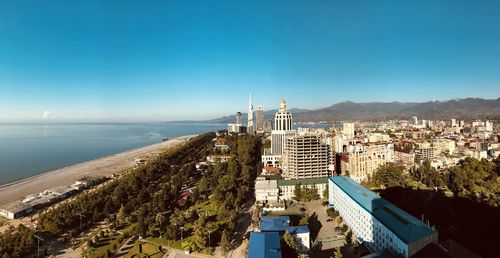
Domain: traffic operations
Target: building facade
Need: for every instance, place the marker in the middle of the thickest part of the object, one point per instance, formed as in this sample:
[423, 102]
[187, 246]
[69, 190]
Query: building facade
[306, 156]
[364, 160]
[377, 223]
[259, 122]
[283, 127]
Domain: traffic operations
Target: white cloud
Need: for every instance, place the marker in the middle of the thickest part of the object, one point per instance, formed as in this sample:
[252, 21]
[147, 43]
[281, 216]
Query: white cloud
[46, 114]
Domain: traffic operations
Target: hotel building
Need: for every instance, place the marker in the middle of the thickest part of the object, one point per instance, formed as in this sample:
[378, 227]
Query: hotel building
[377, 223]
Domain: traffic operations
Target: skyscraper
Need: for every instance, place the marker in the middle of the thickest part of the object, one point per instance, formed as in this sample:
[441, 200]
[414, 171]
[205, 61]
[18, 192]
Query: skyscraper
[250, 128]
[282, 127]
[259, 113]
[238, 118]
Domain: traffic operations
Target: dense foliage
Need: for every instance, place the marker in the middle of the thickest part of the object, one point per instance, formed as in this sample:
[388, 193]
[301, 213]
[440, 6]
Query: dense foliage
[305, 194]
[158, 181]
[463, 202]
[225, 186]
[17, 242]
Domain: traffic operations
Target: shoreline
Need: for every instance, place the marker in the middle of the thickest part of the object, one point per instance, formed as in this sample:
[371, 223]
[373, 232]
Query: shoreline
[103, 166]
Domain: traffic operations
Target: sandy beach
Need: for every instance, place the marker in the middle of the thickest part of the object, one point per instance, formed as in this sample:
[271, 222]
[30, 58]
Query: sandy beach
[104, 166]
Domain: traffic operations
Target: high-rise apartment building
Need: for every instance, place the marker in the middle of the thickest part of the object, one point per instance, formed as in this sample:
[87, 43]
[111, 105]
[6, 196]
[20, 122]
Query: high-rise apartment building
[414, 120]
[259, 125]
[283, 127]
[268, 126]
[250, 127]
[306, 156]
[453, 122]
[348, 130]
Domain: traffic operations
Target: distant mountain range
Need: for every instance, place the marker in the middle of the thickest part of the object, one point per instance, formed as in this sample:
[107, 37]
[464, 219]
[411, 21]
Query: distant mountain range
[469, 108]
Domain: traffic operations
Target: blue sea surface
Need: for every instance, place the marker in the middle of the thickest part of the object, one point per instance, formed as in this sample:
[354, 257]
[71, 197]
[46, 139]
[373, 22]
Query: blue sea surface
[31, 149]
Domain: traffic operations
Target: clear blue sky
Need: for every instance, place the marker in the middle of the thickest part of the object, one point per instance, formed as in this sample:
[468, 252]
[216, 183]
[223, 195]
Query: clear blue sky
[171, 60]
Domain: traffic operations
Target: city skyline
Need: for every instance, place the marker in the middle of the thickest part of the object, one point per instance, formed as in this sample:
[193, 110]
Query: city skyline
[154, 61]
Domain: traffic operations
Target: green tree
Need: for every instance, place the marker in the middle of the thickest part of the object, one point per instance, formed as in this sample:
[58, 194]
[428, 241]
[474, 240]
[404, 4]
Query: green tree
[122, 215]
[305, 219]
[338, 253]
[200, 234]
[325, 193]
[389, 174]
[289, 241]
[225, 242]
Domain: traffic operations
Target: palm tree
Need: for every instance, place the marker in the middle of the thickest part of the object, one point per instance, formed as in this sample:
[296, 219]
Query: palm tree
[160, 218]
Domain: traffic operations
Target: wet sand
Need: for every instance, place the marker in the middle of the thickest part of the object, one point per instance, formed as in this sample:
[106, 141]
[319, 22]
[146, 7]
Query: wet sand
[104, 166]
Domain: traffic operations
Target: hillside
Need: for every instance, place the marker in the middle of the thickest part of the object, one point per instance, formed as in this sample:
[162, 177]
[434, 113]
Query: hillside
[469, 108]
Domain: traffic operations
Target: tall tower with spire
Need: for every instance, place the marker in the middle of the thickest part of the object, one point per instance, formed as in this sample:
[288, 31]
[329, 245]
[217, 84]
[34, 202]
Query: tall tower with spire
[250, 128]
[283, 127]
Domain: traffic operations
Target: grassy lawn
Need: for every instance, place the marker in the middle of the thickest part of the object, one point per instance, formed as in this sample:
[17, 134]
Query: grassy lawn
[127, 228]
[172, 243]
[104, 244]
[149, 249]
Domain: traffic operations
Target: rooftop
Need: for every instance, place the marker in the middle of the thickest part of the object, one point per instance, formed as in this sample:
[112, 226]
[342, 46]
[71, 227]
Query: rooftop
[306, 181]
[16, 207]
[281, 223]
[265, 184]
[403, 224]
[264, 245]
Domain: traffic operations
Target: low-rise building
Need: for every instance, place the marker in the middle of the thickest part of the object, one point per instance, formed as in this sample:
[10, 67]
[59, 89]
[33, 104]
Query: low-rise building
[281, 224]
[287, 187]
[266, 191]
[15, 210]
[264, 245]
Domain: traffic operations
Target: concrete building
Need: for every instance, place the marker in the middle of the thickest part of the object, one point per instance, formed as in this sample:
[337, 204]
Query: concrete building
[377, 223]
[259, 123]
[453, 122]
[443, 146]
[268, 126]
[424, 153]
[363, 161]
[271, 160]
[414, 120]
[15, 210]
[348, 130]
[250, 126]
[283, 127]
[266, 191]
[287, 187]
[306, 156]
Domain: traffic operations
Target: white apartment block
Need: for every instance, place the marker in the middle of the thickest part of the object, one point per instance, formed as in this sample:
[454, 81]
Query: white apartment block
[377, 223]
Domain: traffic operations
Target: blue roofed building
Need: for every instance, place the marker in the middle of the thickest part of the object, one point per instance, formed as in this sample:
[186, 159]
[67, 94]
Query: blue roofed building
[376, 222]
[281, 224]
[264, 245]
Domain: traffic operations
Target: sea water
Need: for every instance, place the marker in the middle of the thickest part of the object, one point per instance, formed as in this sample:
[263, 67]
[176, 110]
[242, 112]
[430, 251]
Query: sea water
[31, 149]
